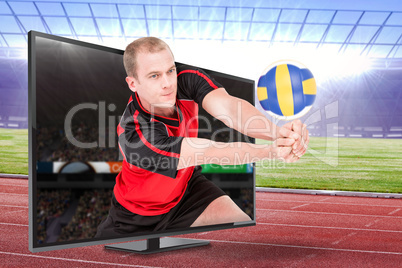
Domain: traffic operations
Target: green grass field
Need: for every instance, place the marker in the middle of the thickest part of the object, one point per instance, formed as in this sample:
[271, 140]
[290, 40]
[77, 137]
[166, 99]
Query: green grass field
[14, 151]
[349, 164]
[370, 165]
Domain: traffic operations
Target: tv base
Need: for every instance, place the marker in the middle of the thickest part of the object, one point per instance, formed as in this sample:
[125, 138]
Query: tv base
[156, 245]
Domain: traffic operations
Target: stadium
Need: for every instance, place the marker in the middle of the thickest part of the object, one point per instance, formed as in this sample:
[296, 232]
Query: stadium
[340, 204]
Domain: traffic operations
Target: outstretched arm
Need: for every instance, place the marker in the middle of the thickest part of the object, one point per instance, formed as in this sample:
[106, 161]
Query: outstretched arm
[245, 118]
[198, 151]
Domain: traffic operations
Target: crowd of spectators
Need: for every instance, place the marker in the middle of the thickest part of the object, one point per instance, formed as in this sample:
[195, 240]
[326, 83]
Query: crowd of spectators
[53, 144]
[247, 197]
[46, 139]
[93, 207]
[51, 204]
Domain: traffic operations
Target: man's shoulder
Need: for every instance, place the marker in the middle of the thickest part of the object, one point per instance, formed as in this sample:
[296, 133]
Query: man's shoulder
[194, 83]
[185, 69]
[185, 80]
[189, 75]
[182, 67]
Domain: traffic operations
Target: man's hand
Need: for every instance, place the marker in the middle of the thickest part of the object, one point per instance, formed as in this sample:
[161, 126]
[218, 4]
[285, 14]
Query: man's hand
[298, 131]
[282, 150]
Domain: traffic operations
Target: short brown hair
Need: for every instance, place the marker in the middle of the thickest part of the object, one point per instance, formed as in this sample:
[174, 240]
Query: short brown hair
[144, 44]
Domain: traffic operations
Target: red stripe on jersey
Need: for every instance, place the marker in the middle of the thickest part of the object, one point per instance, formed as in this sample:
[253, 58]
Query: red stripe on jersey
[122, 152]
[136, 96]
[200, 74]
[120, 130]
[130, 99]
[149, 145]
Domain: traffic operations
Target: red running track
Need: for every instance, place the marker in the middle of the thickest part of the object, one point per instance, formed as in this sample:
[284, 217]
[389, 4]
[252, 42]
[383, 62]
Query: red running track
[292, 231]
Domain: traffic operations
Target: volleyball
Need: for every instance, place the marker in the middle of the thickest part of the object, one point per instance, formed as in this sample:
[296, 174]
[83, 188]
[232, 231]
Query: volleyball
[287, 90]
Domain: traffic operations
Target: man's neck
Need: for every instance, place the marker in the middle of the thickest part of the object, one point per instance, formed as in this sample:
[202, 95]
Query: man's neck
[166, 112]
[169, 112]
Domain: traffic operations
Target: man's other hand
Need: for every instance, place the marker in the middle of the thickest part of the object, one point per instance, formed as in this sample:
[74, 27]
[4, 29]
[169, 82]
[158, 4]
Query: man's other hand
[298, 131]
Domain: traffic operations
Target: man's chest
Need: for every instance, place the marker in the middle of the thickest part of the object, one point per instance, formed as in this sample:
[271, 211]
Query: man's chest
[188, 126]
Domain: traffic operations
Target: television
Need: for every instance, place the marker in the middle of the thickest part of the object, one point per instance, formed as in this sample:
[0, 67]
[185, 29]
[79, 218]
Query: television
[77, 95]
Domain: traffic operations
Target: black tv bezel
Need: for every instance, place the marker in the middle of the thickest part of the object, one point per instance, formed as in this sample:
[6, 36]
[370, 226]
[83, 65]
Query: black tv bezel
[32, 160]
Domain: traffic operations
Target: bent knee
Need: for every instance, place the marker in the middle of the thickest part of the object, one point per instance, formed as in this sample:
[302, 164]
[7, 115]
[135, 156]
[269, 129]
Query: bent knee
[221, 210]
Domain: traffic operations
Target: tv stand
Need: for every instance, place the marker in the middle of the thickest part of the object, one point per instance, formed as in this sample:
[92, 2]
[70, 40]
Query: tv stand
[156, 245]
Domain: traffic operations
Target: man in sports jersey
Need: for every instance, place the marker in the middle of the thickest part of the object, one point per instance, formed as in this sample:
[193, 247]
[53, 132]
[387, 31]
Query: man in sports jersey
[161, 186]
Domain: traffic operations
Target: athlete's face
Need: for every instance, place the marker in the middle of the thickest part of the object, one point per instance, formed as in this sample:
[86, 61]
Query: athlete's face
[156, 84]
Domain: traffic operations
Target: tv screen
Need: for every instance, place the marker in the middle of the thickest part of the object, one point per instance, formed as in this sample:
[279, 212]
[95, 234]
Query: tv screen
[77, 96]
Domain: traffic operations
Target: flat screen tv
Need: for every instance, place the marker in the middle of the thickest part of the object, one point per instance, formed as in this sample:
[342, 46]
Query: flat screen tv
[77, 95]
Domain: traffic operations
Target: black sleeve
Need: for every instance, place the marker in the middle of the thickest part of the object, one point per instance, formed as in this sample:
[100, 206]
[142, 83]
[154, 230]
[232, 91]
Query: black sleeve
[194, 83]
[148, 146]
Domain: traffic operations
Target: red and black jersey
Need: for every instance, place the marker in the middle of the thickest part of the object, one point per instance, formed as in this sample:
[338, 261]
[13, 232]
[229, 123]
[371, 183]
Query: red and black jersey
[149, 183]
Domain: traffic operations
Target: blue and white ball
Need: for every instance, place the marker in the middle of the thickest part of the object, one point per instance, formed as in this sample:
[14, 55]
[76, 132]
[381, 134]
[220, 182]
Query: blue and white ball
[287, 90]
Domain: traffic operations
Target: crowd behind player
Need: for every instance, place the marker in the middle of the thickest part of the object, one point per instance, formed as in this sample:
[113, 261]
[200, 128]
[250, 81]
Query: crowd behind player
[92, 208]
[51, 204]
[53, 144]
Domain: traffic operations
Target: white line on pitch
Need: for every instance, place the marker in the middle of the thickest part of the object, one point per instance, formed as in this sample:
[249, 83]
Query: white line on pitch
[11, 206]
[343, 238]
[329, 227]
[328, 203]
[327, 198]
[2, 184]
[14, 194]
[14, 224]
[395, 211]
[372, 223]
[73, 260]
[300, 206]
[330, 213]
[307, 247]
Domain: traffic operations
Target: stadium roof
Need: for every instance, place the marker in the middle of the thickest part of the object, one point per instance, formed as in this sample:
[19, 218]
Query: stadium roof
[364, 27]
